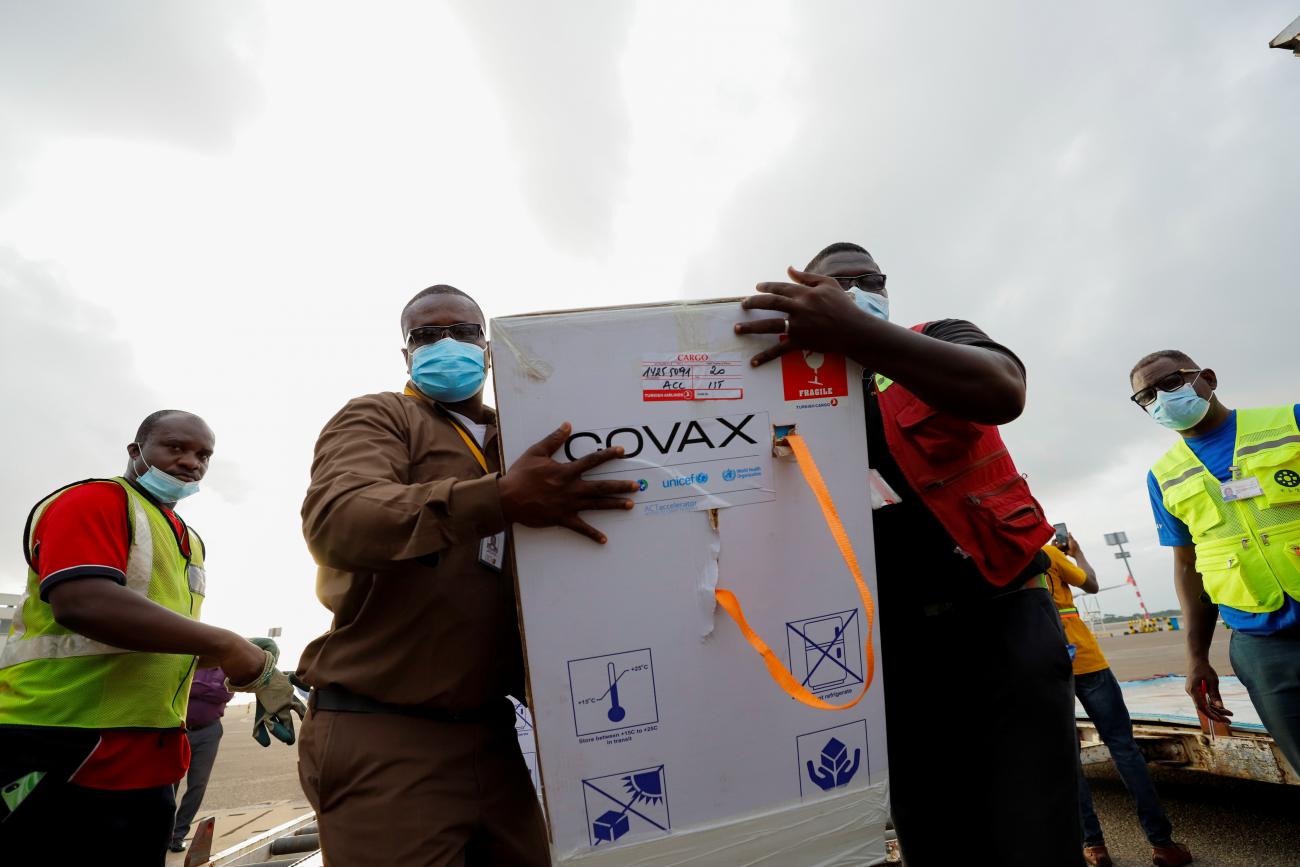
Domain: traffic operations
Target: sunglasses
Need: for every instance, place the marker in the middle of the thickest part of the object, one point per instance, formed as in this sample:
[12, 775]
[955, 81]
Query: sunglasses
[871, 282]
[464, 332]
[1170, 382]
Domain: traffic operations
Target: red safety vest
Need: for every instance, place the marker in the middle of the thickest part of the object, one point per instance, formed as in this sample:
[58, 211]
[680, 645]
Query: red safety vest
[964, 475]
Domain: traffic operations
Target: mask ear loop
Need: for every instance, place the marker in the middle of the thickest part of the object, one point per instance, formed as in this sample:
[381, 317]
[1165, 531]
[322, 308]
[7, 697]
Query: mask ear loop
[140, 458]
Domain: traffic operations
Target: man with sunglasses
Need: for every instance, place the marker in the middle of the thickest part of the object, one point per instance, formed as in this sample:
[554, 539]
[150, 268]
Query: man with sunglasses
[1226, 498]
[964, 610]
[409, 753]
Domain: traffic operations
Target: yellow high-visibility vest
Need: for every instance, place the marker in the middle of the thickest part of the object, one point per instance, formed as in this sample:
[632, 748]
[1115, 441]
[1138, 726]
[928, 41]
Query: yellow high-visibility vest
[52, 676]
[1247, 550]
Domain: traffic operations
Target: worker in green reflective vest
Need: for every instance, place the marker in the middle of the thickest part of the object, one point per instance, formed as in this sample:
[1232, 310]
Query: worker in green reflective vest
[1226, 498]
[95, 673]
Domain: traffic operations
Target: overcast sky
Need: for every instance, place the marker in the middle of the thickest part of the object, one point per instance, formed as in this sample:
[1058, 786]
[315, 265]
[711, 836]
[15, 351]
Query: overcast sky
[223, 206]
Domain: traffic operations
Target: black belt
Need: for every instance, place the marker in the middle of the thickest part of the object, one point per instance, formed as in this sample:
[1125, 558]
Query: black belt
[341, 700]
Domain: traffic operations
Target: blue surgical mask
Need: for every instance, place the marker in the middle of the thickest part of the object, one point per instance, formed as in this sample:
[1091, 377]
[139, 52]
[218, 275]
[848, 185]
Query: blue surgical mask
[448, 371]
[871, 303]
[1179, 409]
[164, 487]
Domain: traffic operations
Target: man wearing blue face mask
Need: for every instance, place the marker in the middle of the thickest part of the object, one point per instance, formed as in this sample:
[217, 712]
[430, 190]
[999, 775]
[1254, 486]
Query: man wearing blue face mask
[95, 675]
[1226, 498]
[409, 752]
[964, 608]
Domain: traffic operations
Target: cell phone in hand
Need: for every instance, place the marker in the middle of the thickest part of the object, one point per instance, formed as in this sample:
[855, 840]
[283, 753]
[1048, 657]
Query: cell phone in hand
[1062, 537]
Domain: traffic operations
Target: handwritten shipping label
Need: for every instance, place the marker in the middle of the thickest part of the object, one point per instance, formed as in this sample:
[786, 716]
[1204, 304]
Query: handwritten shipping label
[693, 376]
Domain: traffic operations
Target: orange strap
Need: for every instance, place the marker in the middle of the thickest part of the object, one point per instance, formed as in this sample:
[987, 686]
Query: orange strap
[731, 604]
[464, 434]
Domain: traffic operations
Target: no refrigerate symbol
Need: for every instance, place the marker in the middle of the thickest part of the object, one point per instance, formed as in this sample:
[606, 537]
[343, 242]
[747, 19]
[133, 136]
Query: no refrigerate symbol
[826, 651]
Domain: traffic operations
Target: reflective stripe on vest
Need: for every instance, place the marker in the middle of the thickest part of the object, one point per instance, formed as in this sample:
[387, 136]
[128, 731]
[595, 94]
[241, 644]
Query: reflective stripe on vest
[1247, 551]
[45, 669]
[139, 571]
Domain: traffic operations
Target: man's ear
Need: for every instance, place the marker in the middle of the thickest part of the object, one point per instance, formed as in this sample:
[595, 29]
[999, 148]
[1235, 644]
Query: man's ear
[406, 356]
[1210, 378]
[487, 358]
[133, 450]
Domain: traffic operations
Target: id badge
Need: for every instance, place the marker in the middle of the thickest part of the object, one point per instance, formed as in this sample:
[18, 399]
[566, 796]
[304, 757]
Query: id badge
[492, 551]
[1241, 489]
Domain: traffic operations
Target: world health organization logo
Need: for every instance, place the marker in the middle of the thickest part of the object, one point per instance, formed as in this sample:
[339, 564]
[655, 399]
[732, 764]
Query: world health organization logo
[728, 475]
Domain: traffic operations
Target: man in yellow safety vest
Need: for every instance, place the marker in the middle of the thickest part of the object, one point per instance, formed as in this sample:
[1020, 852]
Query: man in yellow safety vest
[1226, 498]
[95, 674]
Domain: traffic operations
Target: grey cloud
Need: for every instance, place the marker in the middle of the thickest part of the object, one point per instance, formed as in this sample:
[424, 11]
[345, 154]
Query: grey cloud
[71, 393]
[178, 72]
[555, 69]
[1087, 184]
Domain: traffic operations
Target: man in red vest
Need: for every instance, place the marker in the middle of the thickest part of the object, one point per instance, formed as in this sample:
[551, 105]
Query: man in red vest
[969, 632]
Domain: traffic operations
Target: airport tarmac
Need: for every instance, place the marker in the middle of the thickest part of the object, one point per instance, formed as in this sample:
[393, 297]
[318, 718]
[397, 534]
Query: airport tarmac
[1152, 654]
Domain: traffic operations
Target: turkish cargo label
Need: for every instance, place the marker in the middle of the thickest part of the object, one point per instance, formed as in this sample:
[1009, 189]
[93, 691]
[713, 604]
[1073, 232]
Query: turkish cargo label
[687, 464]
[693, 376]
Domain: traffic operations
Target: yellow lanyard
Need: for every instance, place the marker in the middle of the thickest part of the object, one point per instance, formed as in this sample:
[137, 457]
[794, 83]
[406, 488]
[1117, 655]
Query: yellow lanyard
[464, 434]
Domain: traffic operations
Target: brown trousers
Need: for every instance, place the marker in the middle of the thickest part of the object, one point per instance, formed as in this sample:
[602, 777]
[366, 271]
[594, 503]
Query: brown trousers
[400, 790]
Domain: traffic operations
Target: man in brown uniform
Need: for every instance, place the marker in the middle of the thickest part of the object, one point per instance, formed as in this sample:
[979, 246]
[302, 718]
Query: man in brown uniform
[409, 752]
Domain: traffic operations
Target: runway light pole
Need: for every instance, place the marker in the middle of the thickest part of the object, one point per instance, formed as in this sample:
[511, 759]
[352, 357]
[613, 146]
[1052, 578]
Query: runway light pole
[1118, 540]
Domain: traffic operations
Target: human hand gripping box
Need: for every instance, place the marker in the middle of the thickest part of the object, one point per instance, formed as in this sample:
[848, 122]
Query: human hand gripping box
[661, 735]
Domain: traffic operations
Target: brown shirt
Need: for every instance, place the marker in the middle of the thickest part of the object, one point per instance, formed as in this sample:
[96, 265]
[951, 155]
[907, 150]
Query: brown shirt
[394, 516]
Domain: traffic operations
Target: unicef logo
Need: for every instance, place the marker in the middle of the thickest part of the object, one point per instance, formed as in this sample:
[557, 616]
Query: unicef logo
[1287, 478]
[728, 475]
[687, 481]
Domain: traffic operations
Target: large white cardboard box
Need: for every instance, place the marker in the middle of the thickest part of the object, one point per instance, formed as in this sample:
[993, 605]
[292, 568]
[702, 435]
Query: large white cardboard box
[661, 737]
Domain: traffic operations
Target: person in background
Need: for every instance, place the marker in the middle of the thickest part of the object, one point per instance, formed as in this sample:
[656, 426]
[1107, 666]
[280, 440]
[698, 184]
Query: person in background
[1103, 701]
[208, 700]
[1226, 498]
[95, 675]
[409, 753]
[963, 610]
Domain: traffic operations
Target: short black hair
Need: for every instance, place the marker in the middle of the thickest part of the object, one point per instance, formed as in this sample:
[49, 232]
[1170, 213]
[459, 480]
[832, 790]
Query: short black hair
[151, 421]
[837, 247]
[1172, 354]
[439, 289]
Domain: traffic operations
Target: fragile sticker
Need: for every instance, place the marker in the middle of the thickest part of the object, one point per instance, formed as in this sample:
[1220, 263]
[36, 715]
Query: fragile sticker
[809, 375]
